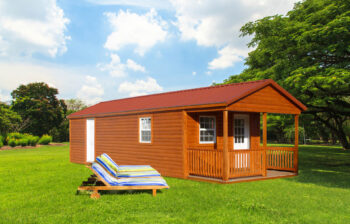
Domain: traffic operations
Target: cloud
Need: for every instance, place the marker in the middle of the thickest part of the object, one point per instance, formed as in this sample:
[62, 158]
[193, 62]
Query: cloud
[134, 66]
[217, 24]
[36, 26]
[118, 69]
[143, 31]
[194, 73]
[91, 92]
[227, 57]
[13, 74]
[140, 87]
[138, 3]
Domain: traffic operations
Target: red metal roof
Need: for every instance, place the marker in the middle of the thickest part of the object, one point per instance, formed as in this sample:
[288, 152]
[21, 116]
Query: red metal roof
[221, 94]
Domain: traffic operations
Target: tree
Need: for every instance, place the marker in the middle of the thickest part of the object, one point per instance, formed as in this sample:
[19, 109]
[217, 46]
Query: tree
[308, 53]
[74, 105]
[38, 103]
[9, 120]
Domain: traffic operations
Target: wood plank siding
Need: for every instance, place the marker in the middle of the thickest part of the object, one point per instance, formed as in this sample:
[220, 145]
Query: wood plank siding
[267, 99]
[119, 137]
[78, 140]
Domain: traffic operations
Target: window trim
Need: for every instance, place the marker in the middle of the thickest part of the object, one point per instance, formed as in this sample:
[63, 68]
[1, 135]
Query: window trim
[204, 129]
[140, 129]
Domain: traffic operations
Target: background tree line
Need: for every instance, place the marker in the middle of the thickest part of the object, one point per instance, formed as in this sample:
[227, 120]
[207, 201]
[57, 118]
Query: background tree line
[35, 109]
[308, 53]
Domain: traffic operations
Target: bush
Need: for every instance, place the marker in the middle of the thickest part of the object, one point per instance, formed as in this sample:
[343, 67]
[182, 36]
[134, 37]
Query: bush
[33, 140]
[23, 142]
[45, 140]
[12, 142]
[1, 141]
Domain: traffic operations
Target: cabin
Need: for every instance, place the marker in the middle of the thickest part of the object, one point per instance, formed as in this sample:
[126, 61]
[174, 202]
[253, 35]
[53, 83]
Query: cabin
[211, 133]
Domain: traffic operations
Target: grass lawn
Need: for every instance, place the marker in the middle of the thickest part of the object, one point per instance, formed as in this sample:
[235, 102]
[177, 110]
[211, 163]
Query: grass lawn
[39, 185]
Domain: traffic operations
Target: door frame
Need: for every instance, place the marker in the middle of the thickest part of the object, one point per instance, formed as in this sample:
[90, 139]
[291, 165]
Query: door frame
[246, 118]
[90, 140]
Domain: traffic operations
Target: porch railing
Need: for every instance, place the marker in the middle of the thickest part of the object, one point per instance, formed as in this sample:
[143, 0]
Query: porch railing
[245, 163]
[204, 162]
[281, 158]
[242, 163]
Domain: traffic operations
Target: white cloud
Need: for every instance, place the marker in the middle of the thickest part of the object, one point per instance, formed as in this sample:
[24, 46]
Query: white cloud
[13, 74]
[227, 57]
[91, 92]
[194, 73]
[28, 27]
[217, 24]
[134, 66]
[117, 69]
[140, 87]
[138, 3]
[143, 31]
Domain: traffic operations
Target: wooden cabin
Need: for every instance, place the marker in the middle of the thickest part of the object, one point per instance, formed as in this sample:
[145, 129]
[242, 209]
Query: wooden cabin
[210, 133]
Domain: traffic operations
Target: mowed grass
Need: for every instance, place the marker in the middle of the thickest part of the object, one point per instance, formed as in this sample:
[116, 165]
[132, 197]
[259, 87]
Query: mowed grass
[39, 186]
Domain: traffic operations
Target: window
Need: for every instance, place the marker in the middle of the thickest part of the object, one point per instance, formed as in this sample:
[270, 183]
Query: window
[145, 129]
[239, 130]
[207, 130]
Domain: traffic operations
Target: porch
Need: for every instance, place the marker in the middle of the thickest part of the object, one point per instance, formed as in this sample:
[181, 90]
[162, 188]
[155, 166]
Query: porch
[222, 162]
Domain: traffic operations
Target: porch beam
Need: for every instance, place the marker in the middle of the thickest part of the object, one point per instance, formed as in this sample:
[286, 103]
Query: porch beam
[264, 143]
[225, 154]
[296, 141]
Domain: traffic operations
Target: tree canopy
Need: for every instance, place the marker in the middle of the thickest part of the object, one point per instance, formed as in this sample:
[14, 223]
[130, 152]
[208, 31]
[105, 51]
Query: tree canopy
[38, 103]
[308, 53]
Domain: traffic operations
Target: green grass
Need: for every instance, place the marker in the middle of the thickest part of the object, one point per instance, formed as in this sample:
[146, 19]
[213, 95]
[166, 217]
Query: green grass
[39, 186]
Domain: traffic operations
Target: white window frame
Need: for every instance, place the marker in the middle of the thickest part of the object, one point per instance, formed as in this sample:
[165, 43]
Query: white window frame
[140, 129]
[205, 129]
[246, 119]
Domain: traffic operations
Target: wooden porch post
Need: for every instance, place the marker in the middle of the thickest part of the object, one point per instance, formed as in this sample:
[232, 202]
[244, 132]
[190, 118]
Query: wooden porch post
[225, 154]
[265, 142]
[184, 143]
[296, 141]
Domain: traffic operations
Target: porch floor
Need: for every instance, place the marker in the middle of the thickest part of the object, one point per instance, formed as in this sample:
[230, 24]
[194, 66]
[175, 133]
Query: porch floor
[270, 174]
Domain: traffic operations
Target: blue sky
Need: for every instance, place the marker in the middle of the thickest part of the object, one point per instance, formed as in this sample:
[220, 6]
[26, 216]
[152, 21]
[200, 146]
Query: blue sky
[107, 49]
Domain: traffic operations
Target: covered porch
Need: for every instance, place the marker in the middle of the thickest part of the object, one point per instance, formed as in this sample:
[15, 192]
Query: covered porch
[237, 154]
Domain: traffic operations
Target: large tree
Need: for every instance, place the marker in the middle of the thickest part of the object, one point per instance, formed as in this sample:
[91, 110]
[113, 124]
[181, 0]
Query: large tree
[38, 103]
[308, 53]
[9, 120]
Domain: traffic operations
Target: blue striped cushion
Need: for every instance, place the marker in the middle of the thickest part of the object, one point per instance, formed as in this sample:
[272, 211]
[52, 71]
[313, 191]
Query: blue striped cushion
[106, 166]
[152, 181]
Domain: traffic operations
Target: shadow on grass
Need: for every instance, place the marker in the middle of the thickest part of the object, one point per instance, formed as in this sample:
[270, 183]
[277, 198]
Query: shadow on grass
[324, 165]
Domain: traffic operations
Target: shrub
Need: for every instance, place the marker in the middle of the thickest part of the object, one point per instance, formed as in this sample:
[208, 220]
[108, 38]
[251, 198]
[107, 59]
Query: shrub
[23, 142]
[12, 142]
[45, 140]
[1, 141]
[33, 140]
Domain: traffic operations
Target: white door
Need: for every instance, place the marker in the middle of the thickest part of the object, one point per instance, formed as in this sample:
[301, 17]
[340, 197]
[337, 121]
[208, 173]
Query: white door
[90, 140]
[241, 131]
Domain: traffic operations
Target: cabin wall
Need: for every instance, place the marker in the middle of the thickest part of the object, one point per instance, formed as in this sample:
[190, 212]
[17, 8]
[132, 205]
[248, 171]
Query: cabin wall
[193, 130]
[118, 136]
[77, 140]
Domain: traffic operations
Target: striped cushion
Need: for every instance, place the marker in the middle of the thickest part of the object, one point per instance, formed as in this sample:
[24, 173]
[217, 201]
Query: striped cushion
[153, 181]
[126, 174]
[125, 168]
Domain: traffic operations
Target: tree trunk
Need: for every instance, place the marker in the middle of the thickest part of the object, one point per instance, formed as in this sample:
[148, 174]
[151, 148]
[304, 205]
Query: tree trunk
[338, 129]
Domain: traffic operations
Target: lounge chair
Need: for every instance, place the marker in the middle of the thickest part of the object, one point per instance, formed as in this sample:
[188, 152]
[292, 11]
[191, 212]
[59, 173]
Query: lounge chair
[106, 182]
[125, 168]
[104, 164]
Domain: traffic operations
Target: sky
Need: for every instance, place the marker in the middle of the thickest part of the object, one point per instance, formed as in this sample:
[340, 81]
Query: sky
[98, 50]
